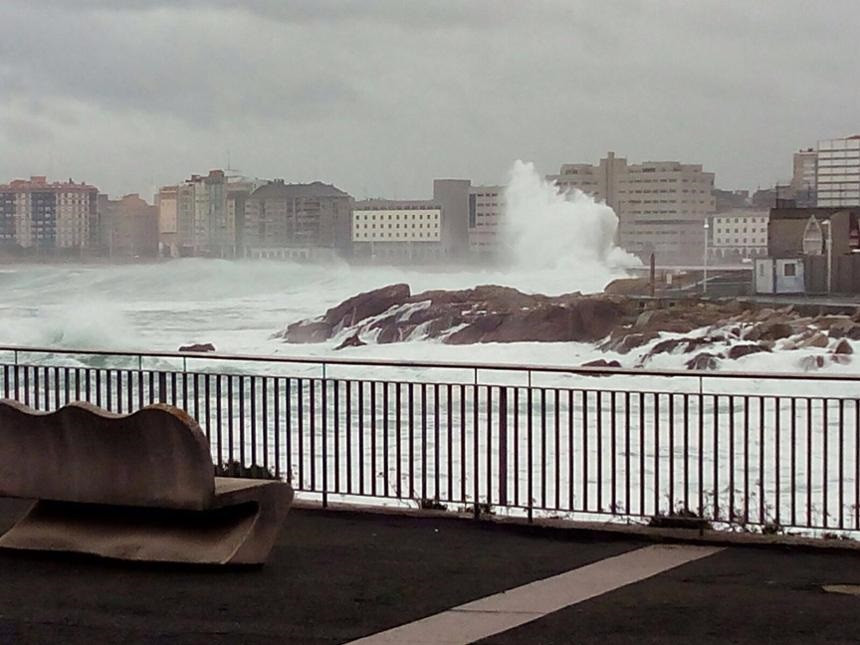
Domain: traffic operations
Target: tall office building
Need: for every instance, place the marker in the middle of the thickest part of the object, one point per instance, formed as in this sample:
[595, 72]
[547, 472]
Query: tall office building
[661, 206]
[837, 180]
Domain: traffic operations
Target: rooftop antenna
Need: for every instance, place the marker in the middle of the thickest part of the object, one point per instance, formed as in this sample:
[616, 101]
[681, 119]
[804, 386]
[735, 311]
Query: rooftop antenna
[229, 168]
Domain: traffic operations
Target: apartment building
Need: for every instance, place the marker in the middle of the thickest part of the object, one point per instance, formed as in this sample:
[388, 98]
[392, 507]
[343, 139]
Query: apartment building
[36, 214]
[486, 213]
[129, 227]
[661, 206]
[738, 235]
[297, 220]
[837, 179]
[397, 230]
[204, 215]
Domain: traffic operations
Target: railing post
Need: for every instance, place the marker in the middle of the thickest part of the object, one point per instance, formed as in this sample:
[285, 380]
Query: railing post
[162, 387]
[503, 446]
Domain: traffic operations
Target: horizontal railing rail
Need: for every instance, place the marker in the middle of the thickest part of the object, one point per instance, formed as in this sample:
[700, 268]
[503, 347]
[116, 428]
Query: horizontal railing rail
[453, 365]
[767, 461]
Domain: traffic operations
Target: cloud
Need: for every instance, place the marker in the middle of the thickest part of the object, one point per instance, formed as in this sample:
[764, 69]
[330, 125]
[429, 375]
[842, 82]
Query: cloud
[383, 95]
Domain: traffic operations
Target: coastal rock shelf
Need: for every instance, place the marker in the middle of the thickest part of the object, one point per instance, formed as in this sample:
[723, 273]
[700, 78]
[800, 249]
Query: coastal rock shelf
[711, 333]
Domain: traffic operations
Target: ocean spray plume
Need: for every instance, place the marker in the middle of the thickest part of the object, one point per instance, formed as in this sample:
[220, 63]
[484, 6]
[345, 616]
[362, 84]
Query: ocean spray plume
[561, 235]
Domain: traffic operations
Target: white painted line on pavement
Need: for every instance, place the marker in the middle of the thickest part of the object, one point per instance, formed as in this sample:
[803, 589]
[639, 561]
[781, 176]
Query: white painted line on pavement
[503, 611]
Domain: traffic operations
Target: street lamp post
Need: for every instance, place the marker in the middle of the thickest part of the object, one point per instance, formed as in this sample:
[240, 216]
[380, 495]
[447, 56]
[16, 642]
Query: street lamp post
[705, 273]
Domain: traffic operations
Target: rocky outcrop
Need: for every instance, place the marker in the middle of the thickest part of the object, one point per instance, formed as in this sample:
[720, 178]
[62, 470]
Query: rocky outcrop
[712, 332]
[198, 347]
[488, 314]
[346, 314]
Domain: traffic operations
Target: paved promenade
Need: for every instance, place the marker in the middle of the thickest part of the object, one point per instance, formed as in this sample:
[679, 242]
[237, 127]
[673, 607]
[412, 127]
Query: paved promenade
[337, 577]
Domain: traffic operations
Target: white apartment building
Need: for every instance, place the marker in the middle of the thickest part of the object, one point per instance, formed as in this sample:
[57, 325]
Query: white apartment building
[661, 205]
[837, 180]
[486, 210]
[739, 234]
[397, 230]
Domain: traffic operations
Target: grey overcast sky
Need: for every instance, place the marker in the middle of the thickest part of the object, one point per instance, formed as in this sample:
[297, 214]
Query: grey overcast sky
[381, 96]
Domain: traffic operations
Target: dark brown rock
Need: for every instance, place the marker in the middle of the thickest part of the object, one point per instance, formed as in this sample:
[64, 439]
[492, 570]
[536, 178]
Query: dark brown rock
[769, 330]
[846, 329]
[198, 347]
[351, 341]
[601, 362]
[843, 347]
[816, 339]
[704, 361]
[624, 343]
[739, 351]
[476, 331]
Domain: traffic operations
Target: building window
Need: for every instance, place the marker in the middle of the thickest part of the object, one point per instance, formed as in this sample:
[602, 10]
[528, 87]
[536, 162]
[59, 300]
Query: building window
[789, 270]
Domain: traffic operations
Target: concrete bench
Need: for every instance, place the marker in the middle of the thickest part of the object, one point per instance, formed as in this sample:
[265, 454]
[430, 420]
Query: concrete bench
[135, 487]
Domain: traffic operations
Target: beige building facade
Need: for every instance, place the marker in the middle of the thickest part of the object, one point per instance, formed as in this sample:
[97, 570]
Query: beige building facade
[37, 214]
[662, 206]
[129, 227]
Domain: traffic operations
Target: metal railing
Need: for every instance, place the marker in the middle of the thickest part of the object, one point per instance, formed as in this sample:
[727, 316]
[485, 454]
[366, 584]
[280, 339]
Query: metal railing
[761, 452]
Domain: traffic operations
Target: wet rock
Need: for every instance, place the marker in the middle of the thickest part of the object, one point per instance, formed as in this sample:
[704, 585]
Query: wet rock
[811, 363]
[352, 341]
[847, 329]
[704, 361]
[395, 333]
[739, 351]
[623, 344]
[770, 330]
[843, 347]
[198, 347]
[314, 331]
[648, 318]
[816, 339]
[601, 362]
[365, 305]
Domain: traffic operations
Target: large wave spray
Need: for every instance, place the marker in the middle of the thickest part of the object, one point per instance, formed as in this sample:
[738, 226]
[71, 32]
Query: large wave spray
[559, 237]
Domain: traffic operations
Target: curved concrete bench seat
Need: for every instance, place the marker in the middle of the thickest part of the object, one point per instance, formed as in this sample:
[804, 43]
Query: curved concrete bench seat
[135, 487]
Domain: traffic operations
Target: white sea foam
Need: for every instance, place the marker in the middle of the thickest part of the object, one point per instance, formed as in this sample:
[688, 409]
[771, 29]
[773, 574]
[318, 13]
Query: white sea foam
[559, 241]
